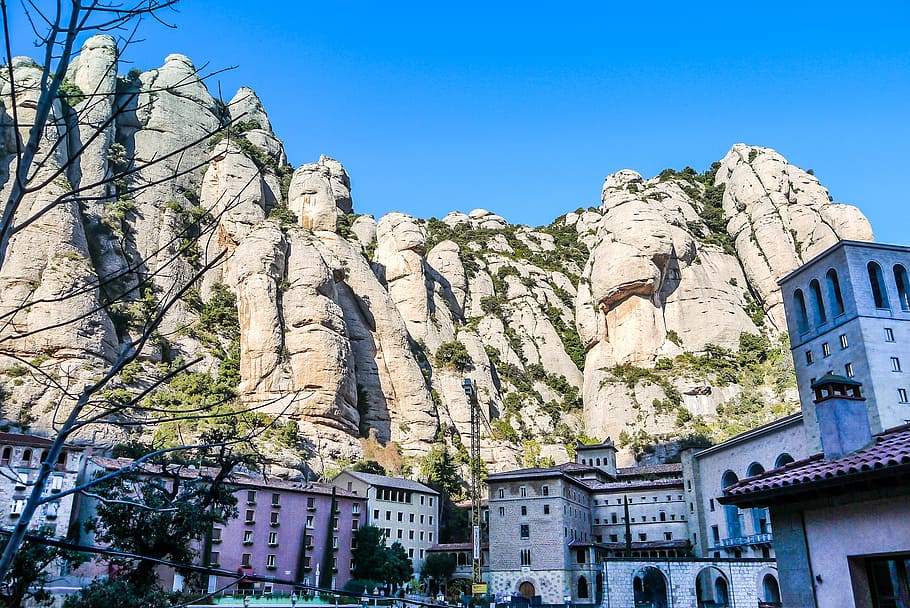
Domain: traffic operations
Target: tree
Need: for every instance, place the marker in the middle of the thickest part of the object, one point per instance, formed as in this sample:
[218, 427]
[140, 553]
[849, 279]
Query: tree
[68, 172]
[368, 466]
[30, 572]
[398, 565]
[370, 554]
[438, 567]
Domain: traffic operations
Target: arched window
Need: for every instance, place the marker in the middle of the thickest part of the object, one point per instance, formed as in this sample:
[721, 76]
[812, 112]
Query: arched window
[818, 305]
[582, 588]
[754, 469]
[837, 301]
[799, 304]
[27, 457]
[731, 512]
[782, 460]
[903, 286]
[877, 283]
[770, 589]
[7, 454]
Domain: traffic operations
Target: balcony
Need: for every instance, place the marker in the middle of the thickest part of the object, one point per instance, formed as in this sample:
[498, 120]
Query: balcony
[742, 541]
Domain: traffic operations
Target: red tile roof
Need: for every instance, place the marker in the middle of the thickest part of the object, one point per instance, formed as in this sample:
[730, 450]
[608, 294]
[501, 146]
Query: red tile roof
[888, 455]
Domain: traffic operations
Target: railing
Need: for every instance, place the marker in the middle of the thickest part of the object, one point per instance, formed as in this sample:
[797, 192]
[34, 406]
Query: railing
[753, 539]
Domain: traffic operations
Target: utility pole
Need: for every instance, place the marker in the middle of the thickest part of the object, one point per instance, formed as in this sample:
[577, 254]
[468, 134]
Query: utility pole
[470, 390]
[628, 527]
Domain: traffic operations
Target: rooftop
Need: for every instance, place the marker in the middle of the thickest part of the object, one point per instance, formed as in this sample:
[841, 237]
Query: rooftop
[838, 245]
[30, 440]
[792, 419]
[651, 469]
[389, 482]
[888, 456]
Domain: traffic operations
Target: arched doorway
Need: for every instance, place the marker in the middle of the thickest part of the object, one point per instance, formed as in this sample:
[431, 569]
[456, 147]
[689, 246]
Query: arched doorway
[526, 590]
[770, 591]
[649, 586]
[711, 588]
[582, 588]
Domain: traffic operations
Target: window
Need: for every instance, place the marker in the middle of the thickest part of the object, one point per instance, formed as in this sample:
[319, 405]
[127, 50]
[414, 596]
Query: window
[889, 335]
[311, 502]
[250, 516]
[375, 514]
[818, 306]
[843, 341]
[834, 295]
[355, 525]
[613, 518]
[276, 500]
[387, 532]
[903, 286]
[524, 510]
[524, 531]
[251, 497]
[400, 533]
[309, 521]
[848, 370]
[308, 539]
[715, 534]
[307, 560]
[522, 491]
[334, 542]
[809, 357]
[580, 556]
[546, 509]
[614, 538]
[431, 504]
[895, 364]
[502, 511]
[21, 479]
[247, 537]
[421, 500]
[799, 305]
[421, 519]
[355, 508]
[400, 516]
[902, 395]
[545, 490]
[889, 580]
[877, 283]
[711, 504]
[668, 536]
[7, 454]
[246, 559]
[431, 520]
[27, 457]
[525, 555]
[388, 516]
[56, 483]
[216, 535]
[826, 350]
[663, 516]
[411, 553]
[17, 506]
[273, 539]
[410, 534]
[430, 536]
[273, 518]
[214, 558]
[642, 537]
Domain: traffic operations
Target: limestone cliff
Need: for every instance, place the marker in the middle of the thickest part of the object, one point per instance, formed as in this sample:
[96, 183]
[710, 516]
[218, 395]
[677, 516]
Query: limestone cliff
[642, 318]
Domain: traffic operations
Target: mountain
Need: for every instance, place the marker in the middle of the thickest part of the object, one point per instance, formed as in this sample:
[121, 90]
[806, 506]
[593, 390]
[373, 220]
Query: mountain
[654, 318]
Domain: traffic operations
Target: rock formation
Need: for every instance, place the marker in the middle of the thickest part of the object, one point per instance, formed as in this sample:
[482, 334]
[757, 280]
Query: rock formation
[640, 319]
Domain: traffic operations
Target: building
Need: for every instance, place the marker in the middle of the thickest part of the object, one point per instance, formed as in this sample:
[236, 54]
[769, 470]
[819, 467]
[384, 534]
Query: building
[725, 531]
[21, 456]
[841, 523]
[406, 510]
[848, 312]
[551, 528]
[291, 530]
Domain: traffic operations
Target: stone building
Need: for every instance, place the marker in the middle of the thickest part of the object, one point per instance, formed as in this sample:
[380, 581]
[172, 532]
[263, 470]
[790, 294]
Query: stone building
[21, 456]
[406, 510]
[848, 312]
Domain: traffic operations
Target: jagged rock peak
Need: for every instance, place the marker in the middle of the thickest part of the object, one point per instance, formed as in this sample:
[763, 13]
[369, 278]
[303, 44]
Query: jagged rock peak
[319, 192]
[246, 106]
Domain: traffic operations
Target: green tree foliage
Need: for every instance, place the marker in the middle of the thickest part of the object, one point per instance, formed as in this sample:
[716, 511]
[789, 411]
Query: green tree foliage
[399, 568]
[439, 567]
[453, 355]
[120, 593]
[369, 466]
[439, 471]
[31, 571]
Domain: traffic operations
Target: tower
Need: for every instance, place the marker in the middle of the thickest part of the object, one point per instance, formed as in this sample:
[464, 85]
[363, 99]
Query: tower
[848, 314]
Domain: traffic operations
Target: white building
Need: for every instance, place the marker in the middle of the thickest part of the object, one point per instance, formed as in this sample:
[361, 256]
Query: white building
[406, 510]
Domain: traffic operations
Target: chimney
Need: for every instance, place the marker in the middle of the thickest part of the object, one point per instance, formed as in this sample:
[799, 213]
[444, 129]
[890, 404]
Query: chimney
[840, 408]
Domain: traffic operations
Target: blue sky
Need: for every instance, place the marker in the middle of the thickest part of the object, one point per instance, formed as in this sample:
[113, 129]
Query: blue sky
[523, 109]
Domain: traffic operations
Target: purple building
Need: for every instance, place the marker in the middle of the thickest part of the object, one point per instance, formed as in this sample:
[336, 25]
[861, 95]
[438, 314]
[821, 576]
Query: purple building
[295, 531]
